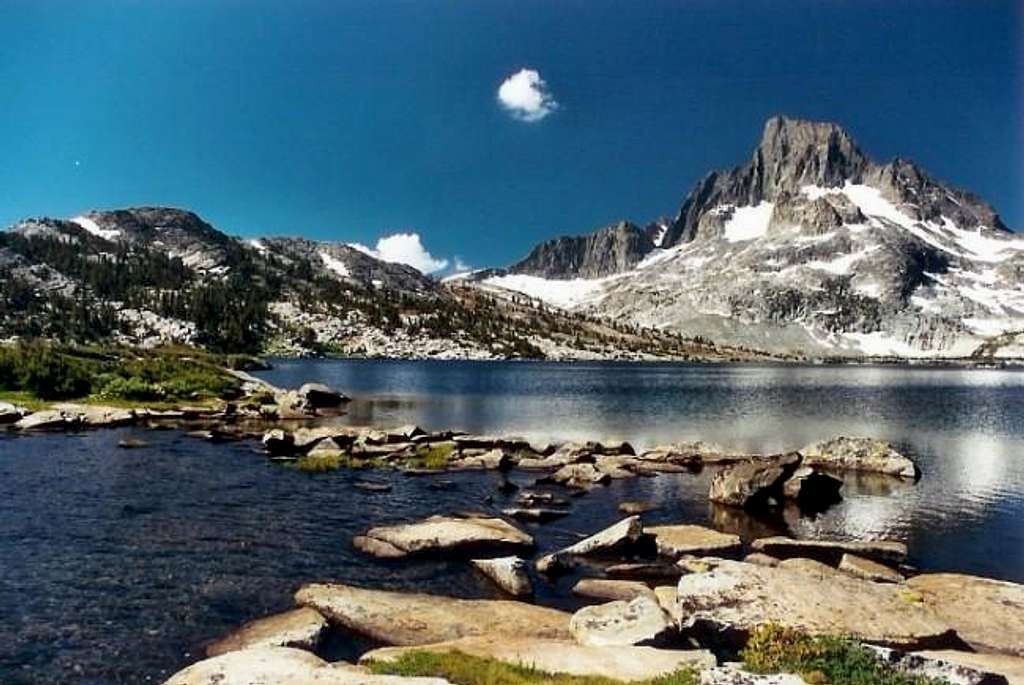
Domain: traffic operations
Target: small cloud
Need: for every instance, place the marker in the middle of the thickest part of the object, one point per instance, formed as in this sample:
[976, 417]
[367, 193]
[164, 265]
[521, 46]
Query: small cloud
[526, 96]
[404, 248]
[460, 267]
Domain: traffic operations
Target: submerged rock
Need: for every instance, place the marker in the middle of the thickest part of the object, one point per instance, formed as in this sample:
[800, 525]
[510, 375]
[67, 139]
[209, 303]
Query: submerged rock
[731, 598]
[624, 663]
[832, 551]
[988, 614]
[449, 534]
[640, 621]
[508, 573]
[301, 628]
[860, 454]
[632, 508]
[397, 618]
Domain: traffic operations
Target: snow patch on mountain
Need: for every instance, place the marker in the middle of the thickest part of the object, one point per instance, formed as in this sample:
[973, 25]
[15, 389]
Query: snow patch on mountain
[91, 226]
[334, 264]
[747, 223]
[566, 294]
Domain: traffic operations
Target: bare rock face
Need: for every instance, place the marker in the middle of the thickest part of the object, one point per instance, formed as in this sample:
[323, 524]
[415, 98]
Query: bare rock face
[625, 663]
[831, 551]
[640, 621]
[601, 253]
[676, 540]
[396, 618]
[448, 534]
[508, 573]
[611, 590]
[868, 570]
[730, 599]
[986, 613]
[301, 628]
[859, 454]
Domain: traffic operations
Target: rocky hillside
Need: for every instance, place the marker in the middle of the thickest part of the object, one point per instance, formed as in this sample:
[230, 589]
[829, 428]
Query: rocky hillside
[147, 276]
[809, 247]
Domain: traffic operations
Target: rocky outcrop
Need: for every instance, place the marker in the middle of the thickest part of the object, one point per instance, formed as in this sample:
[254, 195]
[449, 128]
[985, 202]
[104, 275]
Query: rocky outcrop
[753, 483]
[986, 613]
[300, 628]
[724, 603]
[319, 396]
[623, 663]
[396, 618]
[508, 573]
[447, 534]
[10, 413]
[677, 540]
[640, 621]
[283, 666]
[594, 255]
[832, 551]
[859, 454]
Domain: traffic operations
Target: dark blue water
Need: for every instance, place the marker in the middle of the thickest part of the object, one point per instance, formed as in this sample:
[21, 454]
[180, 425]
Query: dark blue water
[117, 565]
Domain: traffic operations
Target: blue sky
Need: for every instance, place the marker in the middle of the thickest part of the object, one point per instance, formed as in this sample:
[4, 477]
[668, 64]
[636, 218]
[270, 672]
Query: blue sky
[353, 120]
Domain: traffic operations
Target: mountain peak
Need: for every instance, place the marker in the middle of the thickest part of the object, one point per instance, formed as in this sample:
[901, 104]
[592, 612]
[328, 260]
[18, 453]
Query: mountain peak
[797, 152]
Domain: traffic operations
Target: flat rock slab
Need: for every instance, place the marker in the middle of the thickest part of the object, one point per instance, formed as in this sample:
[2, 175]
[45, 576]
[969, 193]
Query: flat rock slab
[988, 614]
[676, 540]
[282, 666]
[617, 662]
[868, 570]
[1010, 667]
[622, 535]
[301, 628]
[859, 454]
[640, 621]
[730, 599]
[397, 618]
[611, 590]
[450, 534]
[832, 551]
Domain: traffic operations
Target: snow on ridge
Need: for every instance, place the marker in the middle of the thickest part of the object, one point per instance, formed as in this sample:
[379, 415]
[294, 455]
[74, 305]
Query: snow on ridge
[565, 294]
[91, 226]
[334, 264]
[748, 223]
[659, 239]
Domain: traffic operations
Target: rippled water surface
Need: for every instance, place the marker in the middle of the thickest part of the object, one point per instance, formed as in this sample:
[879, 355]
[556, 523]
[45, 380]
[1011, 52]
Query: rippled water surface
[117, 565]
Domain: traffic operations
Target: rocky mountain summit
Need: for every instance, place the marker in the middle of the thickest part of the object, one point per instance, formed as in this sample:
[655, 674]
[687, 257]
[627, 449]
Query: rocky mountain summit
[811, 246]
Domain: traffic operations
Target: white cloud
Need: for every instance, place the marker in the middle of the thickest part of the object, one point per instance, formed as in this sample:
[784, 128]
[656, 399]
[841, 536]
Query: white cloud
[526, 96]
[404, 248]
[460, 267]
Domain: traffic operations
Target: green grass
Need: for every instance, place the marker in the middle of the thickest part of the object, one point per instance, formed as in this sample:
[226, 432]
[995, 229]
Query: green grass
[23, 398]
[463, 669]
[819, 660]
[434, 457]
[324, 463]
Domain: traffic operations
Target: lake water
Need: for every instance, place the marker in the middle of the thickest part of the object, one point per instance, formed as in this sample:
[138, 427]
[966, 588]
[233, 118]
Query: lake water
[117, 565]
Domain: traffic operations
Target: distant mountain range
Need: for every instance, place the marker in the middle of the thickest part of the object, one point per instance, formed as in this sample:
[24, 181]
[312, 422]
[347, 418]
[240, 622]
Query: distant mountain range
[809, 249]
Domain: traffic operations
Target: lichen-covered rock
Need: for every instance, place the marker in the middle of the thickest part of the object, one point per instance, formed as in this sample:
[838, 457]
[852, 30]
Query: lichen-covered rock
[1010, 667]
[731, 598]
[448, 534]
[859, 454]
[397, 618]
[936, 669]
[988, 614]
[640, 621]
[301, 628]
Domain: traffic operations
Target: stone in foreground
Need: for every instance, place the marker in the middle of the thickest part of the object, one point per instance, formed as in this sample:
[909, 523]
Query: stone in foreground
[448, 534]
[919, 664]
[625, 663]
[640, 621]
[1010, 667]
[988, 614]
[282, 666]
[832, 551]
[677, 540]
[508, 573]
[397, 618]
[732, 598]
[733, 675]
[301, 628]
[859, 454]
